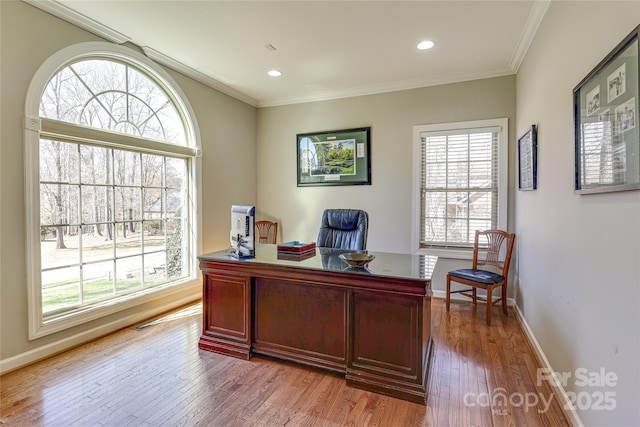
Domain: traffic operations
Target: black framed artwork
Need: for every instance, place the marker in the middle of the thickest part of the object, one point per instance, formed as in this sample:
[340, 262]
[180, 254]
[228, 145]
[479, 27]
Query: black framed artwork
[528, 159]
[607, 134]
[339, 157]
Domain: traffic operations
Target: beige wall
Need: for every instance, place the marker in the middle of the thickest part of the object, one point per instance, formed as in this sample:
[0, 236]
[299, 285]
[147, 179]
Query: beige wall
[579, 256]
[227, 130]
[388, 200]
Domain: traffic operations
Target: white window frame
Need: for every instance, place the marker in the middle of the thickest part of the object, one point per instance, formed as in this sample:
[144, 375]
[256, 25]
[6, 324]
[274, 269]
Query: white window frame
[503, 172]
[38, 326]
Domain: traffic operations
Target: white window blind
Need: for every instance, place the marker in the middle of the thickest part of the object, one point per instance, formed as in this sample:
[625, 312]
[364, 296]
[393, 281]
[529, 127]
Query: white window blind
[458, 185]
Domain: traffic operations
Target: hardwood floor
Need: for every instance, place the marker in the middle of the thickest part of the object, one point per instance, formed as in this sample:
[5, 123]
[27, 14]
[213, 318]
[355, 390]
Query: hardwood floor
[157, 376]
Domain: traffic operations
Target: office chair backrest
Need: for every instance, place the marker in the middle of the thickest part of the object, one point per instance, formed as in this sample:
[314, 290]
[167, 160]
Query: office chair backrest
[344, 229]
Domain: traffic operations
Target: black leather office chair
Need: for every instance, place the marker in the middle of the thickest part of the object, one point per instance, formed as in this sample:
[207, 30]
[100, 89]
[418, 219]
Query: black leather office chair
[343, 229]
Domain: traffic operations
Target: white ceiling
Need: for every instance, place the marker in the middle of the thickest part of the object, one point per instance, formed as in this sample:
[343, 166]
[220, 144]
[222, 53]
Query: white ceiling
[325, 49]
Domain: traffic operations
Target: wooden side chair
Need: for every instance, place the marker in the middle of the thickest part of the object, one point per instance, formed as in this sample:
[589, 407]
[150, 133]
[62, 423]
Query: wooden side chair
[267, 231]
[498, 243]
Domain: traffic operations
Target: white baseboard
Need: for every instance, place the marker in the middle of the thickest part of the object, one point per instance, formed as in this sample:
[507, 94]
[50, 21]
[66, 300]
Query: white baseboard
[565, 402]
[31, 356]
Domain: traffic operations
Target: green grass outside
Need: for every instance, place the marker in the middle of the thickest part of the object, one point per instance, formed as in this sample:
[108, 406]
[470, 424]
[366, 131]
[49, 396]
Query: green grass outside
[65, 294]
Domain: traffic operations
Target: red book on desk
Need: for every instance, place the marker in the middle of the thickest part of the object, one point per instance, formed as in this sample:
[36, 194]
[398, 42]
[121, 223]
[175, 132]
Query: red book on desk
[295, 256]
[296, 247]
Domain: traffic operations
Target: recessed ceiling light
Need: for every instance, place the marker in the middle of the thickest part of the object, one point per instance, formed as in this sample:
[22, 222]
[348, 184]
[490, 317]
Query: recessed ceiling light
[424, 45]
[274, 73]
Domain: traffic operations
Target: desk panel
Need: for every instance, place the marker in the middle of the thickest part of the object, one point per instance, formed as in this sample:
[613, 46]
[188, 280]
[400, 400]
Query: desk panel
[373, 327]
[226, 320]
[300, 321]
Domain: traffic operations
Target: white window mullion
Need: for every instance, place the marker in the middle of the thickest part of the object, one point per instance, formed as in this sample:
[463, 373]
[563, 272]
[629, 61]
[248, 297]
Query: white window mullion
[81, 222]
[69, 132]
[447, 182]
[469, 190]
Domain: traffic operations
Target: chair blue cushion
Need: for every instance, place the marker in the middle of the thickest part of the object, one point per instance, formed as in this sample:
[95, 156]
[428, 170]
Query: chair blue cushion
[480, 276]
[344, 229]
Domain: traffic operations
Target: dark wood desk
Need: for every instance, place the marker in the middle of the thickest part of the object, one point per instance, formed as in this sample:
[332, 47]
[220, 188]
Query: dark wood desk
[372, 325]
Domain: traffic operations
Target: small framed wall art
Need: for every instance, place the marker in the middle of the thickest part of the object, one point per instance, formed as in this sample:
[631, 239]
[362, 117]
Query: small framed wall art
[340, 157]
[528, 159]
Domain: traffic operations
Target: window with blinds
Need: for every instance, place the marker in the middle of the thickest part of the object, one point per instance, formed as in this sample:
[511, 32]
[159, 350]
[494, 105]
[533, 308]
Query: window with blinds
[459, 183]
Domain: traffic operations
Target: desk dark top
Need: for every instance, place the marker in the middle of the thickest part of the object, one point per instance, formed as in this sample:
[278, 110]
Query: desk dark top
[401, 266]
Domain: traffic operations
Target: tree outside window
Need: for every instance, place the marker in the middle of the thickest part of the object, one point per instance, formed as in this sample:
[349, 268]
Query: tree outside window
[113, 214]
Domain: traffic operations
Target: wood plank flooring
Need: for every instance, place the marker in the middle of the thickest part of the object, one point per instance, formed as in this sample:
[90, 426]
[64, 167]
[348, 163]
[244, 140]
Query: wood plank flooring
[157, 376]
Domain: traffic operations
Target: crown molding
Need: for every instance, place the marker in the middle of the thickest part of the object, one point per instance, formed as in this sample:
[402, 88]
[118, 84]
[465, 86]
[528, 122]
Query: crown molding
[63, 12]
[390, 87]
[534, 20]
[197, 75]
[536, 15]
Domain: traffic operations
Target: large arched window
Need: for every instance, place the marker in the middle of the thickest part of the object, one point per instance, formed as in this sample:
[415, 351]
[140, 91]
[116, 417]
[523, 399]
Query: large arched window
[110, 94]
[114, 168]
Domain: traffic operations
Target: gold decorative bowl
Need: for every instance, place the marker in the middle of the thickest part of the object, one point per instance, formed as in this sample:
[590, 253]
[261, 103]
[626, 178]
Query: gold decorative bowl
[356, 259]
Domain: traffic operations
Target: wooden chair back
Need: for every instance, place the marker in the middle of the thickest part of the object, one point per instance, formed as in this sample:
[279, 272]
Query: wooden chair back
[493, 251]
[267, 231]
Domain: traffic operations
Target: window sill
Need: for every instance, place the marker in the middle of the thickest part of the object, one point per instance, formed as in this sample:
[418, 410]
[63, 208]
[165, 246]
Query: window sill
[448, 253]
[188, 288]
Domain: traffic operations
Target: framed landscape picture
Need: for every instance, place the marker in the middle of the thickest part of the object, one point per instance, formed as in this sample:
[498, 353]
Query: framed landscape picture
[340, 157]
